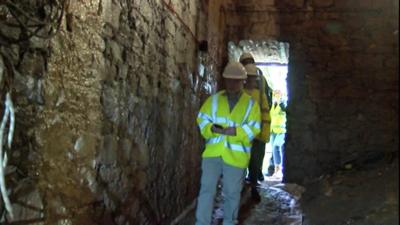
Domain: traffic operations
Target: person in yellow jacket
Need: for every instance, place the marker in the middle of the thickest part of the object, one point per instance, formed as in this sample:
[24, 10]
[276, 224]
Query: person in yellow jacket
[278, 130]
[254, 89]
[247, 58]
[228, 121]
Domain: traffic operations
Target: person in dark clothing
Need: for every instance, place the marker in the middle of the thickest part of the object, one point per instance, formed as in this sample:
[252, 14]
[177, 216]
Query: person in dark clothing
[257, 86]
[258, 143]
[247, 58]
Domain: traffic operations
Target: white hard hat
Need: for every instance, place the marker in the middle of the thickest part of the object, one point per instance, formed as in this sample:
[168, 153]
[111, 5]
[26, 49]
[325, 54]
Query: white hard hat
[235, 70]
[246, 55]
[251, 70]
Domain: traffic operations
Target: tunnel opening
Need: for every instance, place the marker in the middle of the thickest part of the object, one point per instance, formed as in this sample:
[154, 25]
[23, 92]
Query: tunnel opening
[272, 58]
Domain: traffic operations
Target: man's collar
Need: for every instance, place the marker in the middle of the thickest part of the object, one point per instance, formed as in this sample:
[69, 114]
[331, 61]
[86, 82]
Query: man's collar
[238, 94]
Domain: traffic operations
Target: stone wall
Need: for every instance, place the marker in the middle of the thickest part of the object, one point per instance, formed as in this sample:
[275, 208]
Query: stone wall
[106, 112]
[218, 21]
[342, 81]
[150, 97]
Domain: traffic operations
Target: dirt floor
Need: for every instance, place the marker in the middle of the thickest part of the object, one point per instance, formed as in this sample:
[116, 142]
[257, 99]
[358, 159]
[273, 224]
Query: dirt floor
[364, 195]
[355, 195]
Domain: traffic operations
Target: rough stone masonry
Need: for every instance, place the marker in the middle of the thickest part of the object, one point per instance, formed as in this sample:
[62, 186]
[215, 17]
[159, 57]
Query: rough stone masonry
[342, 80]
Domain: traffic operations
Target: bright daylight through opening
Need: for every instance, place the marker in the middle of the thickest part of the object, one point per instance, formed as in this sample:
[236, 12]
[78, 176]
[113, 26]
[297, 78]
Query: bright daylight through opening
[271, 57]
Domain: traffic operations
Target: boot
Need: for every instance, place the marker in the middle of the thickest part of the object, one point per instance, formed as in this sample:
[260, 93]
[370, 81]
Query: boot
[270, 171]
[260, 176]
[278, 172]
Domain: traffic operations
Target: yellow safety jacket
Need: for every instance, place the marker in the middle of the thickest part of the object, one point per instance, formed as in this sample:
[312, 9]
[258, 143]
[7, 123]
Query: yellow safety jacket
[245, 116]
[278, 119]
[265, 116]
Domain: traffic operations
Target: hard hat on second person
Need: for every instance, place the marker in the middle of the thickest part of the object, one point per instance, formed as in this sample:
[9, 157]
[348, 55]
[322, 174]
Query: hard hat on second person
[251, 70]
[246, 55]
[277, 93]
[235, 70]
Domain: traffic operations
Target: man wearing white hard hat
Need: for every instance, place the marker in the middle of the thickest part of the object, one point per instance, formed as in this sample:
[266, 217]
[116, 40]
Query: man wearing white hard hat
[228, 121]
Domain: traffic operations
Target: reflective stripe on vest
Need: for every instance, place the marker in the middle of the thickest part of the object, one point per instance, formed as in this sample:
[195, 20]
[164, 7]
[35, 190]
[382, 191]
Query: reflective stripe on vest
[214, 107]
[249, 106]
[248, 131]
[239, 148]
[215, 140]
[203, 124]
[204, 116]
[206, 119]
[255, 124]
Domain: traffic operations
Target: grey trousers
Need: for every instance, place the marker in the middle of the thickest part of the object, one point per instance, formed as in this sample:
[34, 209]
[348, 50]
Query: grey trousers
[232, 184]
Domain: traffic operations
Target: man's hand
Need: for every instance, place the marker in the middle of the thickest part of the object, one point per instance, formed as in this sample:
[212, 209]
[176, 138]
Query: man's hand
[217, 129]
[231, 131]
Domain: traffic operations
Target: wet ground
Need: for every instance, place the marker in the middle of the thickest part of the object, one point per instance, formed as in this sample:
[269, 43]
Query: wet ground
[355, 195]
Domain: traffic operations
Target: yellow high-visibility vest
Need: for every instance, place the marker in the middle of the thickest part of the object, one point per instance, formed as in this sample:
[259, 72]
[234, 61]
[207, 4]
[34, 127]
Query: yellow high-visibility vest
[278, 119]
[245, 116]
[265, 115]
